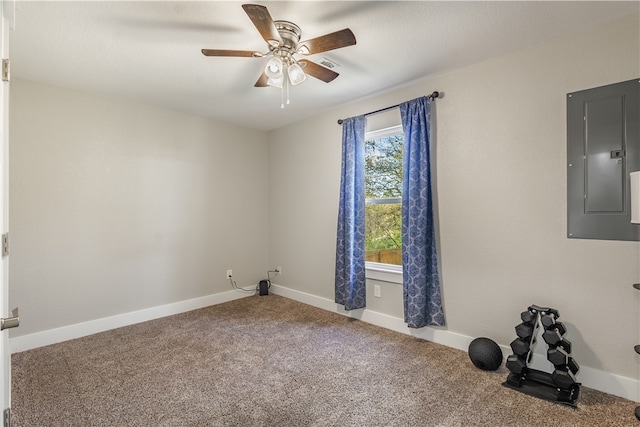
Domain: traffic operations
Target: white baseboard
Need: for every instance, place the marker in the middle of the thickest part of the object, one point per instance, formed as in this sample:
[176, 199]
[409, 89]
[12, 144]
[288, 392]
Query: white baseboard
[625, 387]
[65, 333]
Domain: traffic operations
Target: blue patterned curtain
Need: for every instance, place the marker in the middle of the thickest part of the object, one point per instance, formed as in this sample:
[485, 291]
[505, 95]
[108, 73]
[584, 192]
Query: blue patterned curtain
[350, 245]
[421, 287]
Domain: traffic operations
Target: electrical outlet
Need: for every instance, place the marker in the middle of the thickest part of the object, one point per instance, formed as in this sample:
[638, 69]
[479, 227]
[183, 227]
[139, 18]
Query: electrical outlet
[278, 270]
[229, 274]
[376, 291]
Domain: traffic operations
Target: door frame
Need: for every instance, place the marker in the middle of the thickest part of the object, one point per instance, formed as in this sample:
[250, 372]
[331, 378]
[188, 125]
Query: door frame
[7, 16]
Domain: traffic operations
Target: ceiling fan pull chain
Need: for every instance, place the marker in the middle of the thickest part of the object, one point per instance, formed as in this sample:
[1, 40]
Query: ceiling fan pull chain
[282, 94]
[286, 79]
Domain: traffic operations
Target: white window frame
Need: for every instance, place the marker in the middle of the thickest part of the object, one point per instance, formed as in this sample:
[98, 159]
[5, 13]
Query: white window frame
[375, 270]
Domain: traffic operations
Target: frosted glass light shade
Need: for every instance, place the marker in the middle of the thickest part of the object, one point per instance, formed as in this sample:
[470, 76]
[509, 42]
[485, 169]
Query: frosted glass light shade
[275, 82]
[273, 70]
[635, 197]
[296, 75]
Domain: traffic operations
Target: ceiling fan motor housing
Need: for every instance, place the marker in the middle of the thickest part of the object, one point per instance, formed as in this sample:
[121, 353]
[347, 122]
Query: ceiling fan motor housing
[290, 34]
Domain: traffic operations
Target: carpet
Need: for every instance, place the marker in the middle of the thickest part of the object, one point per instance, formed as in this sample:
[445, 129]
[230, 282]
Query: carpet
[272, 361]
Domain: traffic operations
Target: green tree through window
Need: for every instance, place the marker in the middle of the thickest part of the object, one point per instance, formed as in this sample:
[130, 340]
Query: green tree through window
[383, 193]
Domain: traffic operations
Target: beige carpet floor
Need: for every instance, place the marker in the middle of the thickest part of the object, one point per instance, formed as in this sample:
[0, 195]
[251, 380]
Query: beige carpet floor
[271, 361]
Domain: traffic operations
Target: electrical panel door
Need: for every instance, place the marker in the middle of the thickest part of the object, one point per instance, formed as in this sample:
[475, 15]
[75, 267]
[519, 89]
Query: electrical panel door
[603, 147]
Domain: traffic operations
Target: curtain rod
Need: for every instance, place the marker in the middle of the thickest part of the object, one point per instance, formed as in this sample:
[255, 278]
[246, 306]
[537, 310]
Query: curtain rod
[433, 96]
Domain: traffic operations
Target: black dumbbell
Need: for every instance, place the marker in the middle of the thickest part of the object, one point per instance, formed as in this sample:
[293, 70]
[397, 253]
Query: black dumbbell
[548, 320]
[558, 356]
[524, 331]
[516, 364]
[520, 347]
[528, 317]
[554, 339]
[561, 359]
[559, 326]
[563, 379]
[551, 336]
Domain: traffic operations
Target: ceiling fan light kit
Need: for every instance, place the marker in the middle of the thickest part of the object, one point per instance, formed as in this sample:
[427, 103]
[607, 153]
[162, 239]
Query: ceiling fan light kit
[283, 42]
[273, 70]
[277, 82]
[296, 75]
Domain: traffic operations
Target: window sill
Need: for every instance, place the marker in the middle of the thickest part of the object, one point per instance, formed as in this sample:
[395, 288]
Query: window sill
[384, 272]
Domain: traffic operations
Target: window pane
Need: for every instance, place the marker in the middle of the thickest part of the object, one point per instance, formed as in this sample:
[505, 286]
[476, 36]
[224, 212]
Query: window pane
[383, 167]
[383, 191]
[384, 240]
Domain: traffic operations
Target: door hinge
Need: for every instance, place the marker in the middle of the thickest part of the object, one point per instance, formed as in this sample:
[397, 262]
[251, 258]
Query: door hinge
[6, 69]
[5, 244]
[7, 417]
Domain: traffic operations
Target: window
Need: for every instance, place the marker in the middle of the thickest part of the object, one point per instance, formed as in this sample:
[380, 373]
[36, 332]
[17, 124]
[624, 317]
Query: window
[383, 206]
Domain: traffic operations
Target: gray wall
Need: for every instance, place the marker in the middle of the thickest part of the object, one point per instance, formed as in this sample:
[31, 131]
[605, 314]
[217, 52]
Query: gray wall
[500, 142]
[117, 207]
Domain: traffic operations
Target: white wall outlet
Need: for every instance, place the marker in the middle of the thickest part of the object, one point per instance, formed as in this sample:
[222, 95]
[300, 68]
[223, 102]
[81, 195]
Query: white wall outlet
[376, 291]
[278, 270]
[229, 274]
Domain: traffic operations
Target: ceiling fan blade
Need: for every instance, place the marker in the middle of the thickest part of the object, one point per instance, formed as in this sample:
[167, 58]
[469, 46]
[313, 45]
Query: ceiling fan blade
[327, 42]
[222, 52]
[262, 81]
[317, 71]
[260, 17]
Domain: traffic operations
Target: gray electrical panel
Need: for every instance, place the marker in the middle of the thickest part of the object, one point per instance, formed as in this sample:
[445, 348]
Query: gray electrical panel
[603, 146]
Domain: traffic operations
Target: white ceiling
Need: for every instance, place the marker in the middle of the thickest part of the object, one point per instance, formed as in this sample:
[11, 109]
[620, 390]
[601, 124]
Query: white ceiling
[149, 52]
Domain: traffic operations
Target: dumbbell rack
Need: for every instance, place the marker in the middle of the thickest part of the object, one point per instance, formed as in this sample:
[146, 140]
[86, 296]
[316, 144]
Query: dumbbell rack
[561, 385]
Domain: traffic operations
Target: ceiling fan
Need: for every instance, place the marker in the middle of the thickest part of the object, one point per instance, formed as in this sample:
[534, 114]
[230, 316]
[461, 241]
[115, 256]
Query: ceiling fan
[283, 41]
